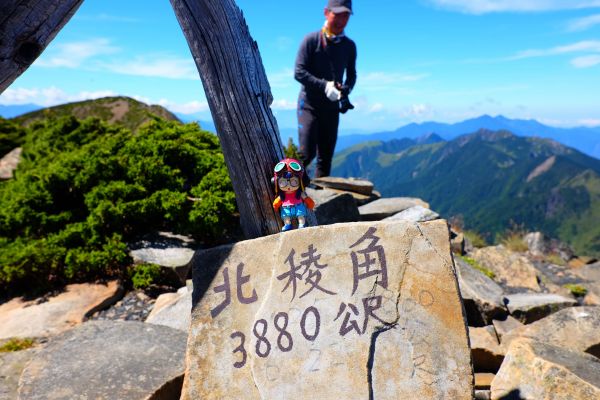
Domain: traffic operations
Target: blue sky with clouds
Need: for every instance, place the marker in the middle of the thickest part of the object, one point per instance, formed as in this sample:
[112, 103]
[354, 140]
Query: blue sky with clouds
[418, 60]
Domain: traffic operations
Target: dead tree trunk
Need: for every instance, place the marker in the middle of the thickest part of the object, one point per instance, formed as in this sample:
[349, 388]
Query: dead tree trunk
[239, 97]
[26, 28]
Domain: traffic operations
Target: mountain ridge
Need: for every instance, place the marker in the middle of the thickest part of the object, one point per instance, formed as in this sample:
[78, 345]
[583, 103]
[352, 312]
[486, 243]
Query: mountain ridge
[487, 178]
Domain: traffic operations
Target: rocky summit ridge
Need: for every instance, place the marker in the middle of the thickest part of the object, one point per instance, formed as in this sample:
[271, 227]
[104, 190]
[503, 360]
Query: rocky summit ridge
[532, 307]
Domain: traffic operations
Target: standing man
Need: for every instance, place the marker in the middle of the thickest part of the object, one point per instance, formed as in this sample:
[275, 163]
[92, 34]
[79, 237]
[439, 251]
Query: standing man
[323, 58]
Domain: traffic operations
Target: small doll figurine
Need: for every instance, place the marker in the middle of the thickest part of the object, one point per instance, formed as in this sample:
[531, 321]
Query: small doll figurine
[291, 200]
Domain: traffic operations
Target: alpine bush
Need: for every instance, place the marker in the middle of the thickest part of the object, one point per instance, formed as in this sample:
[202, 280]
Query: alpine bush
[84, 189]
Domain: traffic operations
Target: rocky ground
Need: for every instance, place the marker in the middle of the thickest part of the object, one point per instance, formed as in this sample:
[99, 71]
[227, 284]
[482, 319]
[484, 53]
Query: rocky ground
[531, 307]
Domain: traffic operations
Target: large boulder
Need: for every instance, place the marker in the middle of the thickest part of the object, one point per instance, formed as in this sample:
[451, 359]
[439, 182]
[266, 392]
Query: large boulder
[482, 296]
[362, 310]
[530, 307]
[333, 207]
[173, 310]
[386, 207]
[511, 269]
[533, 371]
[575, 328]
[55, 314]
[11, 367]
[107, 360]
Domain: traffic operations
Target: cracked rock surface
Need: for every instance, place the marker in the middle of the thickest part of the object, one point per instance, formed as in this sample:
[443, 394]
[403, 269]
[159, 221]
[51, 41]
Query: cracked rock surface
[365, 310]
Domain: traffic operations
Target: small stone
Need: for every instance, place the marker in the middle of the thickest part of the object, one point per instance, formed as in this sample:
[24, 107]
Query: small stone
[483, 380]
[361, 186]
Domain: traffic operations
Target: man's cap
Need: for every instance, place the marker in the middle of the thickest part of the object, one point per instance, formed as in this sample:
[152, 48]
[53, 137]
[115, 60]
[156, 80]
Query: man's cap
[340, 6]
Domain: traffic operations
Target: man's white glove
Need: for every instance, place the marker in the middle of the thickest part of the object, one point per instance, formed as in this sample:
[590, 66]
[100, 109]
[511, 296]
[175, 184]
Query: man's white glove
[332, 92]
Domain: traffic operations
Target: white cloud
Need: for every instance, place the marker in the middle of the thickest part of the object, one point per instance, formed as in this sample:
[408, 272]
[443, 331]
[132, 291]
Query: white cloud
[586, 61]
[48, 97]
[283, 104]
[488, 6]
[591, 123]
[377, 107]
[75, 54]
[161, 66]
[584, 23]
[191, 107]
[586, 45]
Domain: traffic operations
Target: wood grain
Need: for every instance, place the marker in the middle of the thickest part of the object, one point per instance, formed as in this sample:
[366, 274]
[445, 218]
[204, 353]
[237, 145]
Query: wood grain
[26, 28]
[239, 97]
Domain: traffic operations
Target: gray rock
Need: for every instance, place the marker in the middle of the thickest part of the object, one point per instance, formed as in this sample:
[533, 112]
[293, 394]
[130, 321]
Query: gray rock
[167, 250]
[533, 370]
[536, 243]
[333, 207]
[511, 269]
[415, 214]
[485, 349]
[315, 306]
[386, 207]
[173, 310]
[482, 296]
[574, 328]
[361, 186]
[530, 307]
[11, 367]
[9, 163]
[505, 326]
[105, 360]
[54, 314]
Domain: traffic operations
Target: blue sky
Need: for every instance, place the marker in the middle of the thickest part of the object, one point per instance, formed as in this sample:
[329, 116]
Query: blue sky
[418, 60]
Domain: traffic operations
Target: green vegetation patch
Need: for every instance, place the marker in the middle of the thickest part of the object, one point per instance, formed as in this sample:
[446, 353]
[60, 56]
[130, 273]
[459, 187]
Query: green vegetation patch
[84, 189]
[475, 238]
[576, 290]
[16, 344]
[473, 263]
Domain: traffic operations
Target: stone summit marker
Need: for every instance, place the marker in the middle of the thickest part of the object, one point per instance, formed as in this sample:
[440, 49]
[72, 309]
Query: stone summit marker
[349, 311]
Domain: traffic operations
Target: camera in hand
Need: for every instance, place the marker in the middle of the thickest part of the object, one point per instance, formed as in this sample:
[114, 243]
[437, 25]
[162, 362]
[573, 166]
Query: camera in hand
[345, 104]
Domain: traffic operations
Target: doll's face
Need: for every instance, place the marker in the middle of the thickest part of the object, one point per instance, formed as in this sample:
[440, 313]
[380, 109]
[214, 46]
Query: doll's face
[289, 185]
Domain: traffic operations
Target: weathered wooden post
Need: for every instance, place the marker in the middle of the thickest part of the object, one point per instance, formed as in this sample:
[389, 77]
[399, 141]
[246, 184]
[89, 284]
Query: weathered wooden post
[26, 28]
[239, 97]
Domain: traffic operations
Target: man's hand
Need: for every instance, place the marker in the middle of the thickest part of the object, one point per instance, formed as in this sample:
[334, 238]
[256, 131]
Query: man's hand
[332, 92]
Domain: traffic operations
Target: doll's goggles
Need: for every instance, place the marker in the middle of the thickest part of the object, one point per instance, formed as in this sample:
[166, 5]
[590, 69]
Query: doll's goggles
[293, 165]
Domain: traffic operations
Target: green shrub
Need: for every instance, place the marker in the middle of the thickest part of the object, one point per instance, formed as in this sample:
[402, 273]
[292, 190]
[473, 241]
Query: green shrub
[475, 238]
[576, 290]
[16, 344]
[85, 188]
[11, 136]
[291, 150]
[144, 275]
[514, 238]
